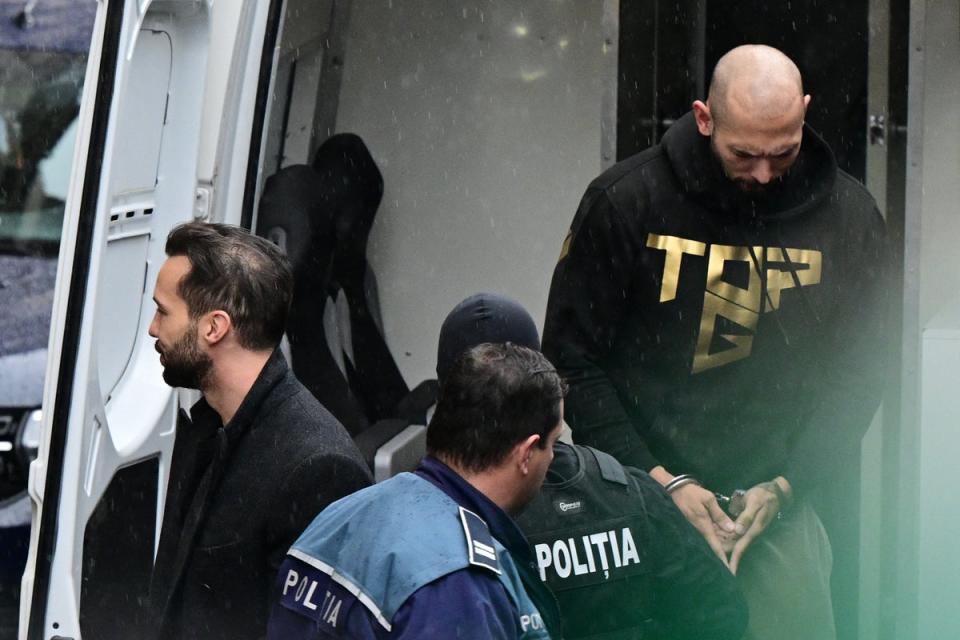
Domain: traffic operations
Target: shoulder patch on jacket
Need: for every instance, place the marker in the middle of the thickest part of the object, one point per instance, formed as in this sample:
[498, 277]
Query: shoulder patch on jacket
[309, 591]
[610, 469]
[479, 541]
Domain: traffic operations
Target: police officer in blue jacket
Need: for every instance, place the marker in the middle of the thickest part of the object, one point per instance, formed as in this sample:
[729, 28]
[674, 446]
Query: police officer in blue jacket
[435, 553]
[621, 559]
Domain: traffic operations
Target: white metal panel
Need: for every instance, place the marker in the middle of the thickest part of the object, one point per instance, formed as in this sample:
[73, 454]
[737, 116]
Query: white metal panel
[36, 485]
[303, 102]
[871, 468]
[230, 105]
[485, 121]
[939, 519]
[141, 124]
[940, 265]
[140, 127]
[118, 315]
[226, 20]
[115, 355]
[935, 166]
[930, 291]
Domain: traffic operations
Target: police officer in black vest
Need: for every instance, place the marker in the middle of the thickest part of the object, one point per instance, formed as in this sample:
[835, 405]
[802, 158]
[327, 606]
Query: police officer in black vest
[622, 561]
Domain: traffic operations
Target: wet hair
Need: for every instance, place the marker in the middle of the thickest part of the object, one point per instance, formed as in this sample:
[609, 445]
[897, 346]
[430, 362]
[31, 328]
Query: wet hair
[493, 397]
[233, 270]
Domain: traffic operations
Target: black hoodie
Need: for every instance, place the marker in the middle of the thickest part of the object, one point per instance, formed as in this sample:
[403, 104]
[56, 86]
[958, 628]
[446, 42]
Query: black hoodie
[732, 337]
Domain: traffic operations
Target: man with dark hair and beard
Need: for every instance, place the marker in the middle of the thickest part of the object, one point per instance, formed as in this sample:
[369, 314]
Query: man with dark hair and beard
[257, 457]
[717, 310]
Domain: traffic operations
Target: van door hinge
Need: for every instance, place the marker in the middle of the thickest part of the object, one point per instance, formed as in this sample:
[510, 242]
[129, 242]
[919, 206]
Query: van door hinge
[877, 129]
[201, 203]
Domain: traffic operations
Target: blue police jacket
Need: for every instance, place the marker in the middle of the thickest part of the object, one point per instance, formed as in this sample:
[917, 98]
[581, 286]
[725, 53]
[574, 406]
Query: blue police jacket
[421, 555]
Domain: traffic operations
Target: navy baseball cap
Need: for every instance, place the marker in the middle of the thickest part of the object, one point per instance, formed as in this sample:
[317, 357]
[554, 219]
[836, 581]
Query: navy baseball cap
[482, 318]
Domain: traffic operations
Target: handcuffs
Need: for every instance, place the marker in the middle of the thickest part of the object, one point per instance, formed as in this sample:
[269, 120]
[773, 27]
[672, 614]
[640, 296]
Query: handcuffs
[736, 502]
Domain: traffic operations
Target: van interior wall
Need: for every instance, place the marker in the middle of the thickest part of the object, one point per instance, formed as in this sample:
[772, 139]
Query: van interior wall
[484, 118]
[940, 267]
[935, 439]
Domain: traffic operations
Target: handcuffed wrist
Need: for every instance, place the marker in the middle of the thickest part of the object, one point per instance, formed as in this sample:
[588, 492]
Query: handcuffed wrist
[681, 481]
[784, 500]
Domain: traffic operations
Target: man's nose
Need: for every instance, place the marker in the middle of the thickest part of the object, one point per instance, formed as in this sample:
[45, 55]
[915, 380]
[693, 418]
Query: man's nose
[152, 330]
[761, 171]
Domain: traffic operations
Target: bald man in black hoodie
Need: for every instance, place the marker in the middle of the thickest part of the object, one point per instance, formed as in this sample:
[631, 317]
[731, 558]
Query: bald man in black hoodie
[717, 311]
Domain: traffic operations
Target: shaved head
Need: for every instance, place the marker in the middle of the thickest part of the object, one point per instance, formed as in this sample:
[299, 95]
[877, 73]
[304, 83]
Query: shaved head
[754, 115]
[757, 80]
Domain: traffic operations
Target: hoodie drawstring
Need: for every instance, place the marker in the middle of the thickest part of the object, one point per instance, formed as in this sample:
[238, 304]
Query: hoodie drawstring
[796, 279]
[765, 297]
[766, 292]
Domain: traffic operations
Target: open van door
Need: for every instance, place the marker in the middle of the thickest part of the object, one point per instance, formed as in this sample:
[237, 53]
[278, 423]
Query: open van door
[160, 80]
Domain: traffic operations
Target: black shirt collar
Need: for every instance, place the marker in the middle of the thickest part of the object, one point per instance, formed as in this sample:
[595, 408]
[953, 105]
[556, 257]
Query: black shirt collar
[567, 466]
[206, 420]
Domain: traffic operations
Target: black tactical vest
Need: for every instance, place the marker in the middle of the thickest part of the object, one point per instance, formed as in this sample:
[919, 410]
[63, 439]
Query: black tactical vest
[587, 533]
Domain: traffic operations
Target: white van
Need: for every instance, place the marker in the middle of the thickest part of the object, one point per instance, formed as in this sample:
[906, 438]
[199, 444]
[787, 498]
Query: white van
[486, 120]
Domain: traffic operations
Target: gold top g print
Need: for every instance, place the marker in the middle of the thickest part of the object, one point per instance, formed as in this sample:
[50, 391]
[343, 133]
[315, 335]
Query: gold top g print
[782, 269]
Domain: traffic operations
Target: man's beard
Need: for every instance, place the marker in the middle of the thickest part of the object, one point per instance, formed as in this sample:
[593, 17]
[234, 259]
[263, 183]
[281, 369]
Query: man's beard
[185, 364]
[747, 186]
[751, 187]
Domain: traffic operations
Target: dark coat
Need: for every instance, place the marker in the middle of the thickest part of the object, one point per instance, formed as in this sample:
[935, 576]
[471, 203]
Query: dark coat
[237, 498]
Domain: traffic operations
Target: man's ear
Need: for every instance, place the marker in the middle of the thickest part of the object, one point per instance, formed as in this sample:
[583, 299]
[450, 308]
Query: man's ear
[806, 103]
[701, 113]
[215, 326]
[524, 451]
